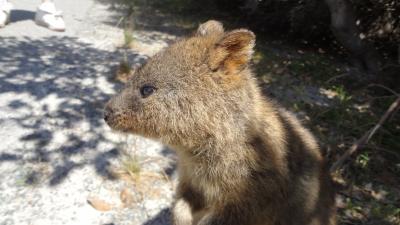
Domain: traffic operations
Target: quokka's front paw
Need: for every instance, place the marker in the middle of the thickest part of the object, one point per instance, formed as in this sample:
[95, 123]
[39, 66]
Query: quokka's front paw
[181, 213]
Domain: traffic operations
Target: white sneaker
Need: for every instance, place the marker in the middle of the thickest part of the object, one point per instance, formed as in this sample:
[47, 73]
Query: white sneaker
[48, 16]
[5, 8]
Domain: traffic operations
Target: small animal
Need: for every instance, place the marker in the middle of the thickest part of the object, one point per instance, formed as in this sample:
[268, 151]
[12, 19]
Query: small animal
[242, 159]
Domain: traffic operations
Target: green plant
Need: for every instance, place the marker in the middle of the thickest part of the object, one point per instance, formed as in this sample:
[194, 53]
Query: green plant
[363, 159]
[342, 95]
[131, 165]
[128, 37]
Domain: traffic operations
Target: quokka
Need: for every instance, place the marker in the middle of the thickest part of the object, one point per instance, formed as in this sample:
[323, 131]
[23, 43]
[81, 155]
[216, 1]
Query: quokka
[243, 160]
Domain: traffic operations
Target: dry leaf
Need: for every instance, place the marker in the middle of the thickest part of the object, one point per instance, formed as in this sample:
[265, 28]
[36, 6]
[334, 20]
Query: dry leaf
[99, 204]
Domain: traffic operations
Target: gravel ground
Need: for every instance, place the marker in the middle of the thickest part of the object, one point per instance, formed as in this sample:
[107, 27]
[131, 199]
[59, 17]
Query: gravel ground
[56, 153]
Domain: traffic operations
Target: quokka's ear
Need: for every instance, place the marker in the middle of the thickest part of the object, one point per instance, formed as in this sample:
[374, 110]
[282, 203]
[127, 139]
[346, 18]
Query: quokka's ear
[210, 27]
[233, 52]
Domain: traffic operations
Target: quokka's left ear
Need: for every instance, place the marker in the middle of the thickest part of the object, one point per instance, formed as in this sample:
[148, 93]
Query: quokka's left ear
[211, 27]
[233, 52]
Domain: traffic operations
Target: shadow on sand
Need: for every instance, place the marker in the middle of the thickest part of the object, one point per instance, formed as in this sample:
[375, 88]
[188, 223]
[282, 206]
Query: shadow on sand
[54, 89]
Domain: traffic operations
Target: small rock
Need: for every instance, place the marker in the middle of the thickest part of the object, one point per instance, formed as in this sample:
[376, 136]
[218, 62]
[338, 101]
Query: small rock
[126, 197]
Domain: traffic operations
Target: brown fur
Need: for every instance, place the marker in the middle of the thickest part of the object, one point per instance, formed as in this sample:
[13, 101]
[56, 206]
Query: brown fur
[242, 159]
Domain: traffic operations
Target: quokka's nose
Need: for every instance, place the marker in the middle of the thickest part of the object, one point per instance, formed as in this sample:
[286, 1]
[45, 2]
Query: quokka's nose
[107, 113]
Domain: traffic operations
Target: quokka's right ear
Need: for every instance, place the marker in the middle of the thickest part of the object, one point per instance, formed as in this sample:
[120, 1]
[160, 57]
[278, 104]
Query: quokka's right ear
[210, 27]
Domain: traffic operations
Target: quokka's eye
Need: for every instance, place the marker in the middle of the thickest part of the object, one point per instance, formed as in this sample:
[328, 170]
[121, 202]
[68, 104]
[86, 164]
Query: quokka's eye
[147, 90]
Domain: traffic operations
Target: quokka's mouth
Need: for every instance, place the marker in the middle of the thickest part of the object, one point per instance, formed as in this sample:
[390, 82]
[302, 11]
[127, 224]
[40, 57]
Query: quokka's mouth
[116, 124]
[111, 119]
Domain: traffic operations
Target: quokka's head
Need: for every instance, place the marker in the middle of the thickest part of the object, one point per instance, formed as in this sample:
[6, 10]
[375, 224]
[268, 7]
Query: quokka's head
[188, 91]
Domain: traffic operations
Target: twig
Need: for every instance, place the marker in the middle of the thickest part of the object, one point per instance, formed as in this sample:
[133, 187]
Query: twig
[395, 154]
[366, 137]
[152, 159]
[386, 88]
[120, 21]
[337, 77]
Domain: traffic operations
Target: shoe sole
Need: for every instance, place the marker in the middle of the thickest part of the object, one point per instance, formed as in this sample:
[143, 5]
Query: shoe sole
[7, 21]
[48, 27]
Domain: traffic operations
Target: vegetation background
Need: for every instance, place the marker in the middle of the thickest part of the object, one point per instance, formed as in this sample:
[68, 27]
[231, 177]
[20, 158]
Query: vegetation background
[335, 63]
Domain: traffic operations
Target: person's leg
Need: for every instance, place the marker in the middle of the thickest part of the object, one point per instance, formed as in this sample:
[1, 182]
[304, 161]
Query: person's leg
[48, 16]
[5, 8]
